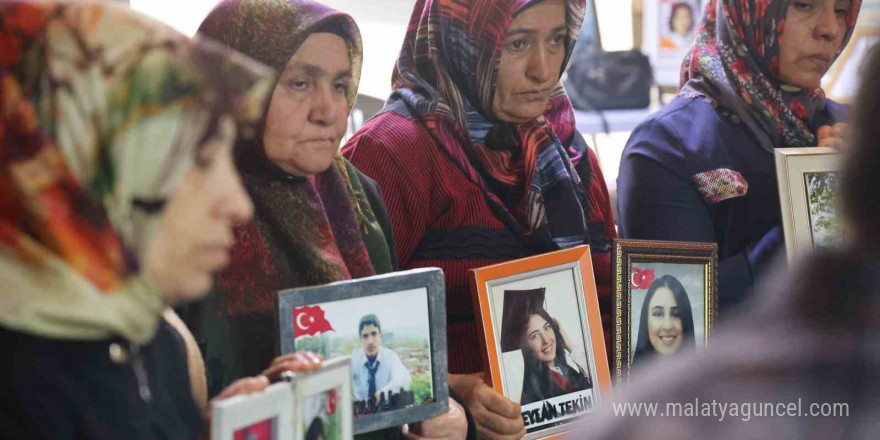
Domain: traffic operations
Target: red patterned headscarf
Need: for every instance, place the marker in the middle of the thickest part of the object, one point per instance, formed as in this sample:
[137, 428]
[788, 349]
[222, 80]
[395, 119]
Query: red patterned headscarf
[101, 109]
[445, 78]
[735, 65]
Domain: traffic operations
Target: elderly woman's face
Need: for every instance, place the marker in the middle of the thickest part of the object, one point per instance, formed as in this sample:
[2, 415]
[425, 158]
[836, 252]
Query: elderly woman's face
[530, 62]
[813, 33]
[308, 114]
[664, 322]
[194, 235]
[541, 339]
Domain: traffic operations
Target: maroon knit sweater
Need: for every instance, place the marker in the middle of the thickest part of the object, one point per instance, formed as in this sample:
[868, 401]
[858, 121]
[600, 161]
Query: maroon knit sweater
[441, 219]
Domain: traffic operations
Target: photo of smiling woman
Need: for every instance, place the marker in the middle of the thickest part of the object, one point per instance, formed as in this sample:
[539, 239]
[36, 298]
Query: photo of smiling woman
[666, 323]
[547, 373]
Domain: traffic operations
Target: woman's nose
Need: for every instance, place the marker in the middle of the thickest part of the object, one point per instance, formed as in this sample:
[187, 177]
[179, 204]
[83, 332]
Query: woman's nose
[827, 28]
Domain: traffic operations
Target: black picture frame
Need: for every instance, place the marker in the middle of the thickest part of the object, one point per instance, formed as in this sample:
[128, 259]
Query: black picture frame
[430, 279]
[626, 252]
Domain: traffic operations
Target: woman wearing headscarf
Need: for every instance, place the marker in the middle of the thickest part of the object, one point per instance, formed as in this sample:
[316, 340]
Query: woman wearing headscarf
[702, 169]
[118, 197]
[478, 157]
[316, 218]
[801, 361]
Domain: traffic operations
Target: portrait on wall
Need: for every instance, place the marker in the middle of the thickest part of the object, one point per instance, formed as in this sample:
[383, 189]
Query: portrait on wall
[392, 329]
[543, 336]
[670, 28]
[665, 300]
[267, 415]
[323, 402]
[807, 179]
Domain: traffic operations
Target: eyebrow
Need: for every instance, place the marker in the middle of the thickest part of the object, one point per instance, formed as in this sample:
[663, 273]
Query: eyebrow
[529, 32]
[314, 71]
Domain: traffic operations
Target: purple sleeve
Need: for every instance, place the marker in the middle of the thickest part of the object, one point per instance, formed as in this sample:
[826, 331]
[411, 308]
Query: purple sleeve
[656, 201]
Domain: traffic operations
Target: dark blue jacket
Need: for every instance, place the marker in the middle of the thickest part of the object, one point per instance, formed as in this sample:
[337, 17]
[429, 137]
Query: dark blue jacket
[659, 197]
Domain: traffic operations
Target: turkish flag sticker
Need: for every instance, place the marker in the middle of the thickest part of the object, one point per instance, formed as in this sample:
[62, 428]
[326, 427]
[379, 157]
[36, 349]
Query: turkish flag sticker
[309, 320]
[641, 279]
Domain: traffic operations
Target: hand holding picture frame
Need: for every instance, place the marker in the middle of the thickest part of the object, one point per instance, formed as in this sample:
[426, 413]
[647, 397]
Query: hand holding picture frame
[267, 415]
[665, 300]
[543, 339]
[807, 180]
[393, 327]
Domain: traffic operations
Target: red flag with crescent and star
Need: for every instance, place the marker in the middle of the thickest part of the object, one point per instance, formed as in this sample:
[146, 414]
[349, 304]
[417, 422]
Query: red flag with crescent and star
[331, 403]
[264, 430]
[641, 278]
[309, 320]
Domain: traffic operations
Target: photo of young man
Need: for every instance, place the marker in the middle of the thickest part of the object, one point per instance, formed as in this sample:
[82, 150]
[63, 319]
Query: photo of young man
[377, 371]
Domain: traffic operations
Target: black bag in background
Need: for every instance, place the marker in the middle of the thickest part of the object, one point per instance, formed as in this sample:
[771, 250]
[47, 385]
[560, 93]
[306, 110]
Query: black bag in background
[599, 80]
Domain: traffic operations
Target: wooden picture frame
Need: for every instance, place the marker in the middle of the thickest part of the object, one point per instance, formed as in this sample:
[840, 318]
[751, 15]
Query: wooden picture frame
[409, 316]
[807, 222]
[557, 287]
[688, 271]
[267, 415]
[323, 398]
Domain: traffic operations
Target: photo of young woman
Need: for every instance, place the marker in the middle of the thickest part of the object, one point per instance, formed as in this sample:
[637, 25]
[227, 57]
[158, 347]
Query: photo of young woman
[553, 365]
[544, 345]
[666, 320]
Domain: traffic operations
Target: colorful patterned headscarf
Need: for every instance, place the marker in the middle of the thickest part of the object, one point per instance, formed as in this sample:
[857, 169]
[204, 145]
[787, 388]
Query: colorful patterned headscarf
[734, 64]
[305, 232]
[445, 78]
[100, 109]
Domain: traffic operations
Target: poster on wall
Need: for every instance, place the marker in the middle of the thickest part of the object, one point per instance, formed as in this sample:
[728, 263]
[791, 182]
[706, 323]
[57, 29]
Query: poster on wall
[669, 30]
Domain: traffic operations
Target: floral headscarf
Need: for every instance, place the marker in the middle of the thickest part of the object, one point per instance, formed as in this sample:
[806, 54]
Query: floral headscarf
[735, 65]
[101, 113]
[446, 77]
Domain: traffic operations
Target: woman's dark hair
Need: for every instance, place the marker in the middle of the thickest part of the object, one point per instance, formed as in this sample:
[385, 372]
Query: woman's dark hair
[538, 385]
[675, 8]
[858, 191]
[316, 429]
[644, 349]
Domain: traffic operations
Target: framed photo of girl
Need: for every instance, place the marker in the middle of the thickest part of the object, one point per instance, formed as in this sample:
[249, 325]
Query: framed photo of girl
[665, 300]
[807, 179]
[323, 402]
[267, 415]
[543, 339]
[392, 327]
[669, 28]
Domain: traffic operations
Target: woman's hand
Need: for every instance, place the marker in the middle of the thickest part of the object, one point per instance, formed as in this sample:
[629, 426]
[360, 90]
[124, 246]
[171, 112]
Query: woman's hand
[450, 426]
[566, 341]
[496, 417]
[248, 385]
[832, 136]
[299, 362]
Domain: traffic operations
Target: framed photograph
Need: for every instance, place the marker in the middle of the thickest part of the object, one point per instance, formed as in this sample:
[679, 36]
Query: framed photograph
[669, 28]
[392, 326]
[543, 339]
[323, 402]
[261, 416]
[665, 300]
[807, 180]
[845, 76]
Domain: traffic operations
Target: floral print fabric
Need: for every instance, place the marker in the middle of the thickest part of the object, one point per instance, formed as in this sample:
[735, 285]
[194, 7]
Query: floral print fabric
[99, 107]
[734, 64]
